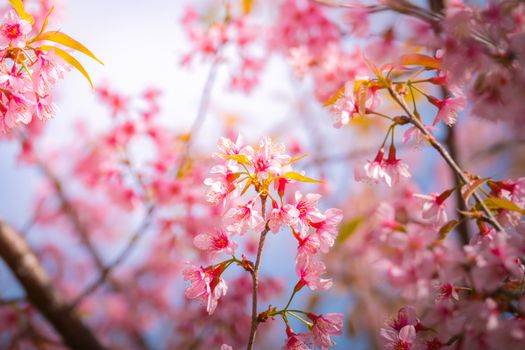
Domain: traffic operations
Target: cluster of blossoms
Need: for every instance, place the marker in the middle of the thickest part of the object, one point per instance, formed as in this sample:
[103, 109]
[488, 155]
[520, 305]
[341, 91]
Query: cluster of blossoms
[268, 170]
[470, 296]
[214, 41]
[29, 70]
[467, 296]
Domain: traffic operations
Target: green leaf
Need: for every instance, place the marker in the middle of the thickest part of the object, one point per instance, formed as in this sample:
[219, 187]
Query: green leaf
[18, 5]
[500, 203]
[292, 175]
[239, 158]
[66, 40]
[349, 228]
[416, 59]
[69, 59]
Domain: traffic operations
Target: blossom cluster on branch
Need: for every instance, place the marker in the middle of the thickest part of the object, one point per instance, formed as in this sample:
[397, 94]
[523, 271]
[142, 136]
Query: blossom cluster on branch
[268, 170]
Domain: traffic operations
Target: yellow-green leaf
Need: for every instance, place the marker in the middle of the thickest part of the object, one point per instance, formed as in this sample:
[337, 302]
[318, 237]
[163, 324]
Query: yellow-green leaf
[292, 175]
[239, 158]
[18, 5]
[384, 82]
[66, 40]
[69, 59]
[447, 228]
[246, 186]
[46, 20]
[417, 59]
[348, 228]
[295, 159]
[501, 203]
[470, 188]
[361, 98]
[338, 94]
[247, 6]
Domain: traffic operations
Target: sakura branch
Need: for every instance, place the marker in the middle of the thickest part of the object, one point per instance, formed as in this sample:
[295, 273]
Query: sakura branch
[262, 168]
[26, 267]
[29, 68]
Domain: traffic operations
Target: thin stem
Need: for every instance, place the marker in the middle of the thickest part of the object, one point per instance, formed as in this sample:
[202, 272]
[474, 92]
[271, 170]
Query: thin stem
[446, 156]
[201, 112]
[128, 249]
[381, 115]
[300, 318]
[290, 300]
[255, 277]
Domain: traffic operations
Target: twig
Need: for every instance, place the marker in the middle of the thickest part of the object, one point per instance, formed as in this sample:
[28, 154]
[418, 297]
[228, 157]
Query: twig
[255, 278]
[446, 156]
[128, 249]
[201, 112]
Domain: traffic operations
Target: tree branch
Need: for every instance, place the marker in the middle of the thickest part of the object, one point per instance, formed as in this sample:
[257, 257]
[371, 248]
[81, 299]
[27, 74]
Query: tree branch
[446, 156]
[41, 293]
[255, 278]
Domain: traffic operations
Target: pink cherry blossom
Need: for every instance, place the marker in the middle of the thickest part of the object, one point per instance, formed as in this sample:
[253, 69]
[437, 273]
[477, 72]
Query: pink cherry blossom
[434, 208]
[372, 171]
[310, 271]
[394, 168]
[295, 341]
[326, 229]
[47, 71]
[215, 242]
[448, 109]
[404, 340]
[283, 215]
[14, 30]
[269, 157]
[325, 326]
[206, 285]
[307, 208]
[244, 217]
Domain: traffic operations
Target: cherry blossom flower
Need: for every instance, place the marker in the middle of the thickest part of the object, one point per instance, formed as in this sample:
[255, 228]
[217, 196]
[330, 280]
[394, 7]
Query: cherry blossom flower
[447, 291]
[394, 168]
[344, 108]
[221, 186]
[287, 215]
[434, 207]
[295, 341]
[47, 71]
[230, 148]
[215, 242]
[325, 326]
[207, 285]
[310, 271]
[244, 217]
[307, 208]
[404, 340]
[372, 171]
[269, 157]
[14, 30]
[448, 109]
[308, 246]
[326, 229]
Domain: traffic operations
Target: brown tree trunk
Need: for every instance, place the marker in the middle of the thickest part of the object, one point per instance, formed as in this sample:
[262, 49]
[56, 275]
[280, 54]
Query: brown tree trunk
[24, 264]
